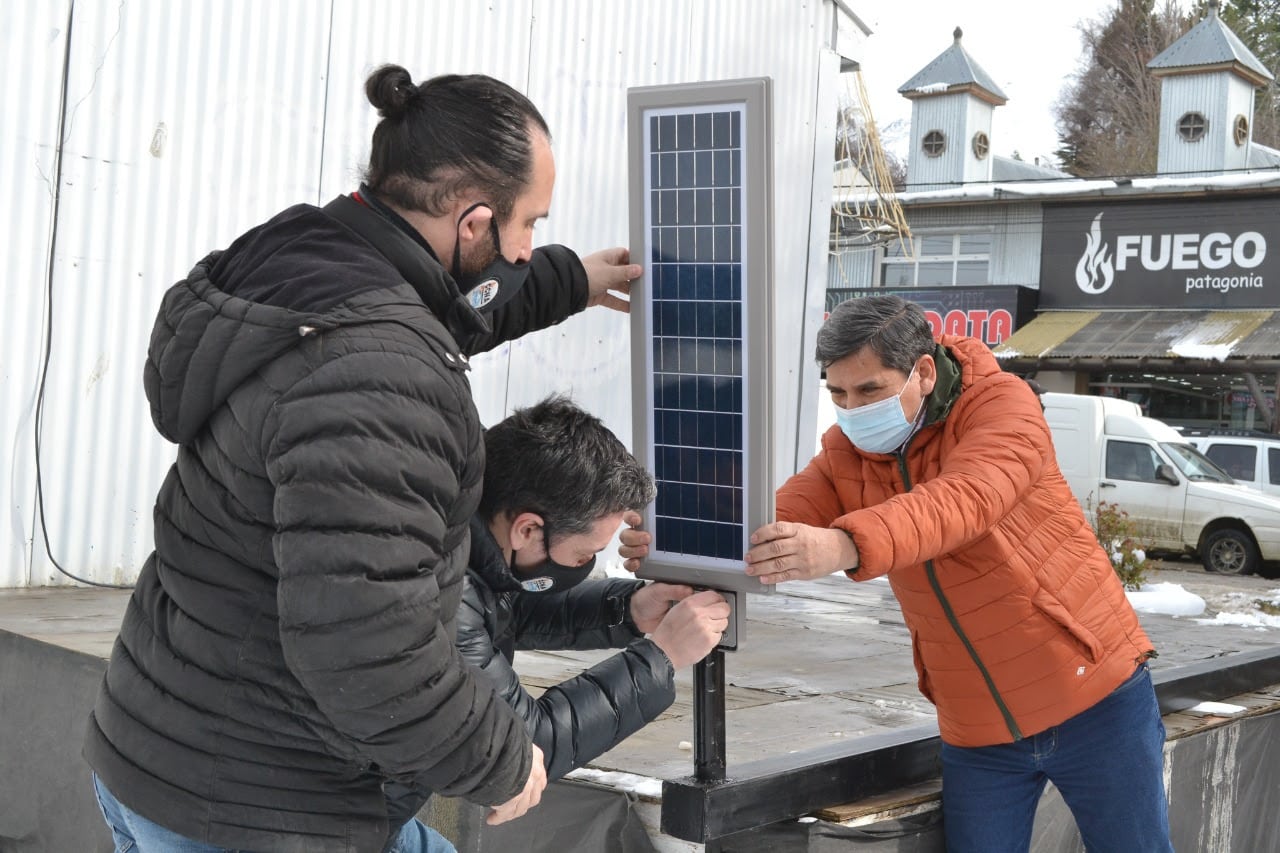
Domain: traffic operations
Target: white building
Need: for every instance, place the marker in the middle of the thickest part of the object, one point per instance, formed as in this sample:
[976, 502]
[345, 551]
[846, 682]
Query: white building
[1164, 289]
[140, 136]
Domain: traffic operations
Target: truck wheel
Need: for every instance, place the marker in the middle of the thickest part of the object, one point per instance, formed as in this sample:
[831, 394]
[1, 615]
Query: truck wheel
[1230, 552]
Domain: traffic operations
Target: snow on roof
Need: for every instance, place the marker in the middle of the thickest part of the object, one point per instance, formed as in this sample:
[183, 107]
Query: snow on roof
[929, 88]
[953, 67]
[1266, 179]
[1211, 352]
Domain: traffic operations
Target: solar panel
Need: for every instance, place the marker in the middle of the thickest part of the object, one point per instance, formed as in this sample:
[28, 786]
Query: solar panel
[702, 340]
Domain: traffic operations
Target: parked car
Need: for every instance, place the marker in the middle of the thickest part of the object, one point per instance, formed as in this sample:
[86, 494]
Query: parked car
[1249, 456]
[1179, 499]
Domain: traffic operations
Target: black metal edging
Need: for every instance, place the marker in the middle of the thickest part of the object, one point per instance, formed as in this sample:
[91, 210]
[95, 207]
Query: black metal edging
[785, 787]
[1217, 678]
[774, 789]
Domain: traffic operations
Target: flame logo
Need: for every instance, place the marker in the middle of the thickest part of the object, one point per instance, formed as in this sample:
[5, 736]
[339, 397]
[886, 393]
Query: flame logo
[1094, 272]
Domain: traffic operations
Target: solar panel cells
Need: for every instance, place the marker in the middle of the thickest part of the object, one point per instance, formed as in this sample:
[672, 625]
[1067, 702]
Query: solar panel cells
[697, 331]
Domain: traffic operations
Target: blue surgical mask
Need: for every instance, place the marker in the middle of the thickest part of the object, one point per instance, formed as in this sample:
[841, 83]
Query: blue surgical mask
[880, 427]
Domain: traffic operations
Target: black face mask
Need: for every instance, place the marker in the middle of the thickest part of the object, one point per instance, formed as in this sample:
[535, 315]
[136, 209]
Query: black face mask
[495, 285]
[550, 576]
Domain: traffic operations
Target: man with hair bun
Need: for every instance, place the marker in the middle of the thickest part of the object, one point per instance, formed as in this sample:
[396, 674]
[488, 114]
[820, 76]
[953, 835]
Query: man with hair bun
[286, 661]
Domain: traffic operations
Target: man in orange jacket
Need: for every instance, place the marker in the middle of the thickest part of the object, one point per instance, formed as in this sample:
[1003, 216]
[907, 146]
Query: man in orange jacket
[940, 474]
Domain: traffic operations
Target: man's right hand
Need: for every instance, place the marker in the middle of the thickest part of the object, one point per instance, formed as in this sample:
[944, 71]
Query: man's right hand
[635, 542]
[691, 629]
[526, 799]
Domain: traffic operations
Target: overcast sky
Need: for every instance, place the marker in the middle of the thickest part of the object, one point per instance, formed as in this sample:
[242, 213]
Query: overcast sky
[1029, 49]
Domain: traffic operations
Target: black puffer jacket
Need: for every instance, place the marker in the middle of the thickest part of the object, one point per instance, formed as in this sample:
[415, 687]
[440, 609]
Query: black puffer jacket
[576, 720]
[289, 646]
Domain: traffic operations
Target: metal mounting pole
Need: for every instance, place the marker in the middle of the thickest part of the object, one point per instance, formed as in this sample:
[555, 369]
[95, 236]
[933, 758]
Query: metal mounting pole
[708, 718]
[708, 726]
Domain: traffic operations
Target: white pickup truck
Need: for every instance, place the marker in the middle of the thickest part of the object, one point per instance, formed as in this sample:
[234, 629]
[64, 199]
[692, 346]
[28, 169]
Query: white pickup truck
[1181, 501]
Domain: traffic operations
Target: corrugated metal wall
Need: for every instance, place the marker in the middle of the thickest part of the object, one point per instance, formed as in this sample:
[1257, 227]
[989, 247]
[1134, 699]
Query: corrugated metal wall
[30, 83]
[187, 123]
[1218, 96]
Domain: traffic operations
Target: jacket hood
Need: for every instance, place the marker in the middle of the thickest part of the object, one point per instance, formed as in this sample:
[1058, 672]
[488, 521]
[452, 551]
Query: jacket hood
[488, 563]
[300, 273]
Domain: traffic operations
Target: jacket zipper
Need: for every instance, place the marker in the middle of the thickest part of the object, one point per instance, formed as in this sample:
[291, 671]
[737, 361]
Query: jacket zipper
[932, 574]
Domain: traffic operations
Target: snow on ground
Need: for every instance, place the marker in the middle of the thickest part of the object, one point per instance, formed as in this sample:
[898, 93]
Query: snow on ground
[1248, 610]
[1171, 599]
[1259, 610]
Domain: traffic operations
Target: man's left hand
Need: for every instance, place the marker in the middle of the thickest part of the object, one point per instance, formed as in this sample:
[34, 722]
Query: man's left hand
[649, 604]
[786, 551]
[610, 270]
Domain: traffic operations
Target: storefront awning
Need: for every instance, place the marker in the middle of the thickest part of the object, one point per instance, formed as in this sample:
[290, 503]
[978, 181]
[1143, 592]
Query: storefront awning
[1075, 340]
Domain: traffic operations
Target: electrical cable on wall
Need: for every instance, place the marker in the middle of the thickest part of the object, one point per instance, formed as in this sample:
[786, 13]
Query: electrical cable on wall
[48, 331]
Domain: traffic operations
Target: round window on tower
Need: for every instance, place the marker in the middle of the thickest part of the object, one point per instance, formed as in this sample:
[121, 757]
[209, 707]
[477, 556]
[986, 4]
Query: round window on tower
[1191, 127]
[934, 143]
[1240, 130]
[981, 145]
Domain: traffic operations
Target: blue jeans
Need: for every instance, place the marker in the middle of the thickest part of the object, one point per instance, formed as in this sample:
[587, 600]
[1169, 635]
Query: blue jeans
[1107, 762]
[133, 833]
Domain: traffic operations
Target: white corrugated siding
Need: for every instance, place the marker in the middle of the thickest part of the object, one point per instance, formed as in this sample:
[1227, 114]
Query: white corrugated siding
[1217, 95]
[32, 36]
[190, 122]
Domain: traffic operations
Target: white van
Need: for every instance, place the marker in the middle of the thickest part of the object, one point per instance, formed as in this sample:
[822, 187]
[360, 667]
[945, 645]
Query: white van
[1180, 500]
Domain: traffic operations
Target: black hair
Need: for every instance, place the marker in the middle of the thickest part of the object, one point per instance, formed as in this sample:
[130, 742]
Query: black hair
[895, 329]
[450, 135]
[562, 463]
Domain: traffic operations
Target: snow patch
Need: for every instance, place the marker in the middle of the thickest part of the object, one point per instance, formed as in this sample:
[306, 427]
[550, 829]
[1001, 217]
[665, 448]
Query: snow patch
[641, 786]
[1220, 709]
[1211, 352]
[1169, 599]
[1252, 619]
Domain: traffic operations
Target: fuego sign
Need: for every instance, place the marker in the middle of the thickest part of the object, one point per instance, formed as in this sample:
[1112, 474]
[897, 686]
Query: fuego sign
[1200, 254]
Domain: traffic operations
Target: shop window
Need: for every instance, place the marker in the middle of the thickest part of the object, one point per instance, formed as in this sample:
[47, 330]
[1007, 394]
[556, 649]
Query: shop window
[934, 143]
[1191, 127]
[981, 145]
[1240, 130]
[941, 260]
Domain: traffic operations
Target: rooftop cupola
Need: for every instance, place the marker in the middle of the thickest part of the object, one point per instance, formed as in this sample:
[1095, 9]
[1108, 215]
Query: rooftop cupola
[953, 99]
[1208, 80]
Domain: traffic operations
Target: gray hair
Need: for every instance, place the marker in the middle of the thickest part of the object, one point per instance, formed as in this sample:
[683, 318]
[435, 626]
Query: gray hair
[895, 329]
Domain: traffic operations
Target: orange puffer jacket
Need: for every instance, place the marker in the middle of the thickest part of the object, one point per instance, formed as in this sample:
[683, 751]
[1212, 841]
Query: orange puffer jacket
[1018, 621]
